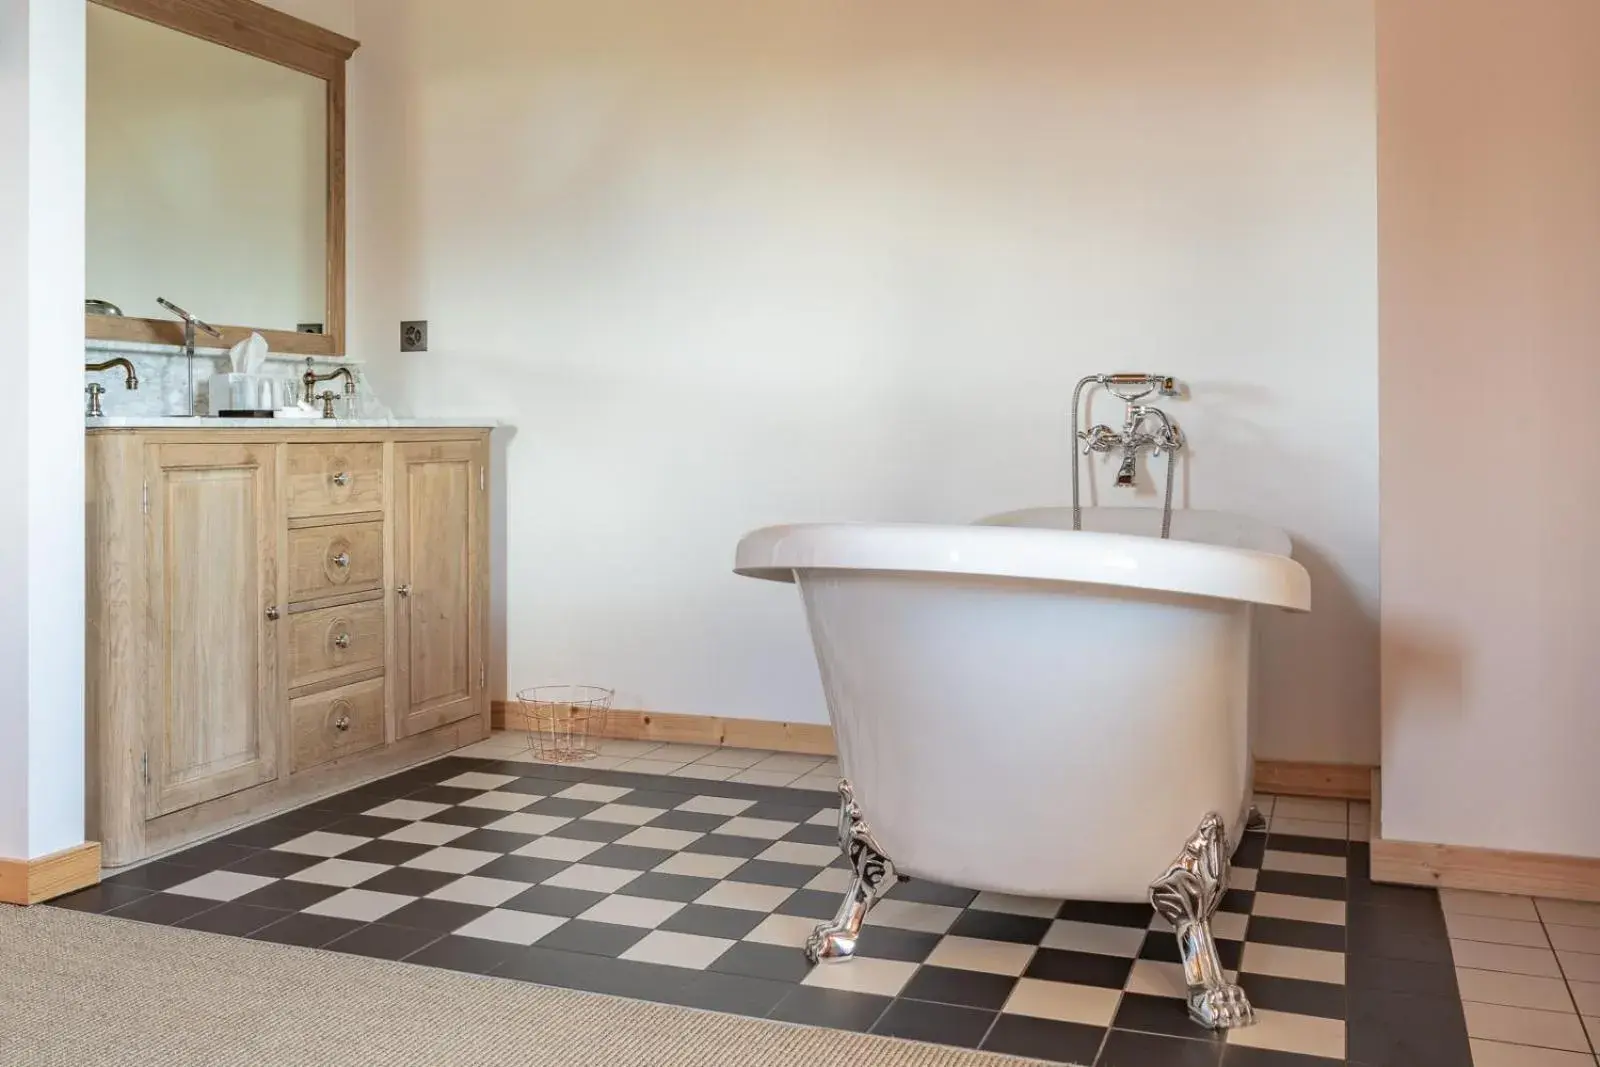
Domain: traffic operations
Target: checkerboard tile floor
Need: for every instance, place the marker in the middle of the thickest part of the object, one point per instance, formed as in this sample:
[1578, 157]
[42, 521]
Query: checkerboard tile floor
[700, 891]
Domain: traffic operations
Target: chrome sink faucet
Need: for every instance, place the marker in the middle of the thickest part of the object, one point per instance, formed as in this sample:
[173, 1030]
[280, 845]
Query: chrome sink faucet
[96, 390]
[1135, 437]
[310, 378]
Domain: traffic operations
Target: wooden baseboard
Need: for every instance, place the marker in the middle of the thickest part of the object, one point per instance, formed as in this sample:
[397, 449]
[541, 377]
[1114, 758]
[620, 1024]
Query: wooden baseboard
[48, 877]
[1487, 870]
[1340, 781]
[815, 739]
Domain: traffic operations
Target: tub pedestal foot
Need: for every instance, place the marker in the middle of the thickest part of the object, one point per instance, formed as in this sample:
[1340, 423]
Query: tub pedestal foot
[873, 876]
[1187, 896]
[1253, 819]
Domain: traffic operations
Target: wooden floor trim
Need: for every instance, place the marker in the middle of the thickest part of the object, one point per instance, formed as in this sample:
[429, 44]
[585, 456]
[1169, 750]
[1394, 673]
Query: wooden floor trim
[813, 739]
[1340, 781]
[48, 877]
[1487, 870]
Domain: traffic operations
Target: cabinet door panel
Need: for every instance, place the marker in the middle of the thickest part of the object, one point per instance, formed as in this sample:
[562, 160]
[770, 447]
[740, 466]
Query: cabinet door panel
[211, 548]
[438, 522]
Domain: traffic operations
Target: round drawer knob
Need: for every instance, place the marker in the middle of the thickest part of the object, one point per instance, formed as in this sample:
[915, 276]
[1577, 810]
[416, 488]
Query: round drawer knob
[342, 559]
[342, 723]
[341, 640]
[341, 479]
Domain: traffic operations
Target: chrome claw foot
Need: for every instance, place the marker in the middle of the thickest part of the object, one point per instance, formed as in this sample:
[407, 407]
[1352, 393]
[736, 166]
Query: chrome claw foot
[1187, 896]
[835, 941]
[1253, 819]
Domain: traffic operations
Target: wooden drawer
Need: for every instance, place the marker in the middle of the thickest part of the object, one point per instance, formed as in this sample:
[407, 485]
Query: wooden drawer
[331, 642]
[336, 478]
[337, 723]
[329, 561]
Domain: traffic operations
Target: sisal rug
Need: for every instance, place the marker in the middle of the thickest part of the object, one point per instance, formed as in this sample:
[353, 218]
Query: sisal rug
[79, 989]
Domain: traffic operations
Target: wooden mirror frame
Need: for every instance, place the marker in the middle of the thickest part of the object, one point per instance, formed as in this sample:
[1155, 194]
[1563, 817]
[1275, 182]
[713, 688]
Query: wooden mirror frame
[269, 34]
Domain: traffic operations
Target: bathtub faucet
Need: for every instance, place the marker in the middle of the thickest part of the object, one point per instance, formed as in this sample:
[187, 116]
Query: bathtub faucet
[1134, 439]
[1144, 428]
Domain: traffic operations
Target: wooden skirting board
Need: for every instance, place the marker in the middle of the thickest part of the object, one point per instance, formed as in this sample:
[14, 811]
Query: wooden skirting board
[1487, 870]
[48, 877]
[1339, 780]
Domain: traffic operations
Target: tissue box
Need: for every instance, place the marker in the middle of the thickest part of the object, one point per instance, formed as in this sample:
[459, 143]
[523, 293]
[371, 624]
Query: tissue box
[232, 391]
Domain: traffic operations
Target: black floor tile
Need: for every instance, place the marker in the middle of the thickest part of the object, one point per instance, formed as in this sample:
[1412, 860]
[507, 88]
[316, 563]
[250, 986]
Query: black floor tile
[812, 904]
[948, 985]
[893, 943]
[732, 923]
[409, 881]
[941, 1024]
[1252, 849]
[1271, 993]
[530, 786]
[1237, 900]
[998, 926]
[1291, 883]
[502, 841]
[388, 853]
[554, 900]
[239, 920]
[384, 941]
[1083, 911]
[919, 891]
[164, 909]
[1243, 1056]
[356, 801]
[1379, 975]
[596, 974]
[1165, 949]
[695, 822]
[474, 817]
[271, 863]
[651, 798]
[366, 826]
[1080, 968]
[1397, 933]
[310, 931]
[679, 887]
[714, 844]
[440, 916]
[629, 857]
[771, 872]
[584, 830]
[471, 954]
[444, 794]
[1329, 937]
[833, 1008]
[1317, 846]
[813, 834]
[211, 856]
[593, 939]
[778, 963]
[288, 896]
[564, 807]
[1044, 1039]
[1124, 1048]
[1398, 1030]
[158, 875]
[1159, 1015]
[273, 832]
[100, 898]
[785, 812]
[529, 869]
[734, 994]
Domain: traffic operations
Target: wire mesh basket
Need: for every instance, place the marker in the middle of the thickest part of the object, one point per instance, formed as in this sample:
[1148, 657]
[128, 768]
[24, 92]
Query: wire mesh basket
[565, 723]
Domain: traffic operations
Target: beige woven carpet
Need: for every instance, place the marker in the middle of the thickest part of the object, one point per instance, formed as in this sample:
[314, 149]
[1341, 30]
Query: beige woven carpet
[79, 989]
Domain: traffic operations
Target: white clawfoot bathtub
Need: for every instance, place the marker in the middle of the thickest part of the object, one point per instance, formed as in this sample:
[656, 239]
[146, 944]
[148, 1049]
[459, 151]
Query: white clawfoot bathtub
[1030, 710]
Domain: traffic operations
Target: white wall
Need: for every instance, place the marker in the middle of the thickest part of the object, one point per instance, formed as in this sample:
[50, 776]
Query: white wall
[1491, 359]
[207, 178]
[41, 529]
[724, 264]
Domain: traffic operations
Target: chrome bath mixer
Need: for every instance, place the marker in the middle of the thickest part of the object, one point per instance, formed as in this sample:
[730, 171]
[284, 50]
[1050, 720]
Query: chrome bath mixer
[1135, 436]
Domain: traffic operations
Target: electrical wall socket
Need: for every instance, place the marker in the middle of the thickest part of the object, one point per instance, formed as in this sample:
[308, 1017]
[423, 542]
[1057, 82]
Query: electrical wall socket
[308, 327]
[414, 336]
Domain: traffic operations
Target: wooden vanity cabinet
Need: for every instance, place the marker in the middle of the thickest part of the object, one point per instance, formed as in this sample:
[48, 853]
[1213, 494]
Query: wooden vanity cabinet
[274, 615]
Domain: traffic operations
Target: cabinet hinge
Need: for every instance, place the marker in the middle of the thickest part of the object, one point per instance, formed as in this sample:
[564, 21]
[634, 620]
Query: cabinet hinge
[144, 497]
[483, 676]
[144, 767]
[480, 479]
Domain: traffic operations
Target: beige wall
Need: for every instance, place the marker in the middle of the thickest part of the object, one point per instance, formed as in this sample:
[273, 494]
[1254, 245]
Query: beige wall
[723, 263]
[1489, 118]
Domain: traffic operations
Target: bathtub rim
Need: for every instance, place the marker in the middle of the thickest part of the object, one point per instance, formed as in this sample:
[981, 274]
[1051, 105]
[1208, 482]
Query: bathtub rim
[1129, 561]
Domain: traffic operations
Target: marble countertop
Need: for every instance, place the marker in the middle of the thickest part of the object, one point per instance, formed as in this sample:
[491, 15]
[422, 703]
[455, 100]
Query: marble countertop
[167, 422]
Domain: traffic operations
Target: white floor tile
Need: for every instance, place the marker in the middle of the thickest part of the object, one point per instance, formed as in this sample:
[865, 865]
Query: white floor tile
[657, 837]
[628, 749]
[626, 814]
[498, 801]
[1592, 1024]
[221, 885]
[1305, 909]
[1155, 978]
[451, 860]
[737, 758]
[478, 780]
[837, 880]
[765, 829]
[745, 896]
[559, 848]
[1569, 912]
[1311, 808]
[1488, 905]
[428, 833]
[758, 777]
[1094, 937]
[472, 889]
[1307, 827]
[1286, 1032]
[824, 818]
[1484, 956]
[599, 794]
[594, 878]
[698, 865]
[705, 772]
[1513, 990]
[1225, 925]
[406, 809]
[910, 915]
[342, 873]
[792, 765]
[650, 766]
[1580, 966]
[362, 905]
[977, 954]
[1587, 997]
[715, 805]
[1313, 965]
[1500, 1054]
[693, 951]
[1526, 1026]
[1495, 931]
[799, 853]
[622, 910]
[787, 931]
[512, 927]
[683, 753]
[322, 843]
[1573, 938]
[1063, 1001]
[821, 783]
[1303, 863]
[529, 822]
[884, 978]
[1036, 907]
[1242, 877]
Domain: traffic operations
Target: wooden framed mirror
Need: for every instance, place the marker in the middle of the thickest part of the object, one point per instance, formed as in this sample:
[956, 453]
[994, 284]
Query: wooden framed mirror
[216, 173]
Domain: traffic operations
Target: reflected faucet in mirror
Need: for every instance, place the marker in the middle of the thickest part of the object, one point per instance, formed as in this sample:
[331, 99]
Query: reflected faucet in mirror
[96, 390]
[311, 378]
[190, 324]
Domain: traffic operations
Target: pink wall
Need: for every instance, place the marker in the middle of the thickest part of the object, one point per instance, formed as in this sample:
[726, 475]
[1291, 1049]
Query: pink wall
[1489, 254]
